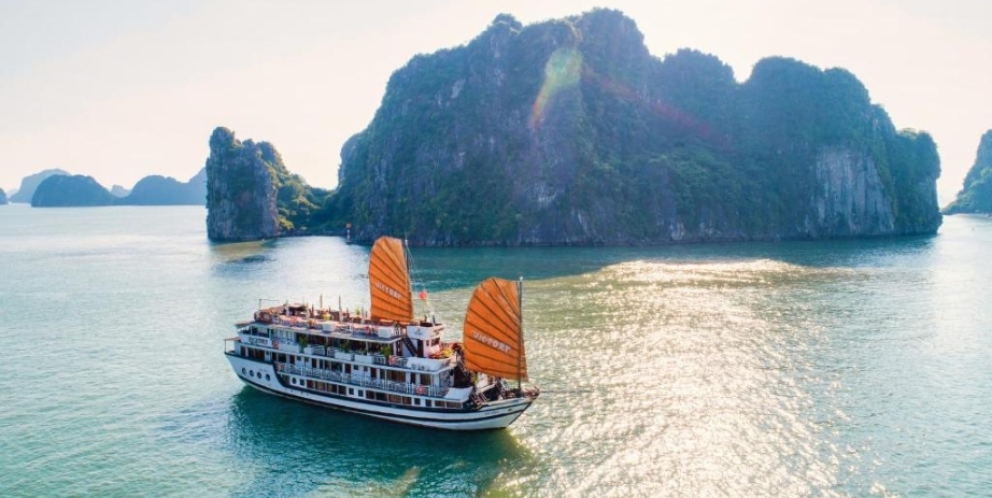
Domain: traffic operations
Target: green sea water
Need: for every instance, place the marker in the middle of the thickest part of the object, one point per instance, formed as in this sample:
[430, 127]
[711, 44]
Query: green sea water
[839, 368]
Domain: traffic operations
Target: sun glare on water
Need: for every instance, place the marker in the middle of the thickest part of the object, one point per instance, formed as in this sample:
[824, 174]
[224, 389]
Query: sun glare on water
[678, 379]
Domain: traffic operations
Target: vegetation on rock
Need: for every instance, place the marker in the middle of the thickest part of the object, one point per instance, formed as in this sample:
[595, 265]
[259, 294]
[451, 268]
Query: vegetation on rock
[976, 196]
[250, 193]
[570, 132]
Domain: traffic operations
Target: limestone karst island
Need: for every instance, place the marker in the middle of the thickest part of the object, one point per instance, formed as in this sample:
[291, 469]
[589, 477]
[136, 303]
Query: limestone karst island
[976, 196]
[570, 132]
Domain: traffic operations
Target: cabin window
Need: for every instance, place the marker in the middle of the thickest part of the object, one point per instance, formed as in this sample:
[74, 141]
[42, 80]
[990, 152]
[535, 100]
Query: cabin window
[416, 401]
[351, 391]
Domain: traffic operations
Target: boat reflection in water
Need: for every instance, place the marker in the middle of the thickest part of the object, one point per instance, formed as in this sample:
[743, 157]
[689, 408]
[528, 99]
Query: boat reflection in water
[299, 449]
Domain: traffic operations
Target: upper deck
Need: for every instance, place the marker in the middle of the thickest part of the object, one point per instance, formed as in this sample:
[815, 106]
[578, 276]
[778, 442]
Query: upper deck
[299, 330]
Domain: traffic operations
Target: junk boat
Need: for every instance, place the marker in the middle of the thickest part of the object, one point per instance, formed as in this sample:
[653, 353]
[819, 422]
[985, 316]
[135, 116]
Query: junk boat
[389, 365]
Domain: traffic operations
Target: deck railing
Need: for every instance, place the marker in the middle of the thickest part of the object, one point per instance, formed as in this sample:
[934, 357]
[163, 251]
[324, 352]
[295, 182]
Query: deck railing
[362, 381]
[287, 346]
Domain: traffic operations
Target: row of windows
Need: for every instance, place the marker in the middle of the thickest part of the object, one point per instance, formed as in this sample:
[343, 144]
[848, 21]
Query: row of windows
[328, 387]
[251, 373]
[338, 366]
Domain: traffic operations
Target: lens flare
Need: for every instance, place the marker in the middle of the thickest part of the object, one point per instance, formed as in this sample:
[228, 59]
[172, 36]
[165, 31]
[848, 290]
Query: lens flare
[563, 70]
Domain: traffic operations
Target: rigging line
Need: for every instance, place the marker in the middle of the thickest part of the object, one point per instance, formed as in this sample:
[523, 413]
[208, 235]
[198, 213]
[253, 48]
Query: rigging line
[412, 270]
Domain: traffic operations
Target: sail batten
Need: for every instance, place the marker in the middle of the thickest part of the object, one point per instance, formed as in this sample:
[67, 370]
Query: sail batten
[389, 281]
[493, 331]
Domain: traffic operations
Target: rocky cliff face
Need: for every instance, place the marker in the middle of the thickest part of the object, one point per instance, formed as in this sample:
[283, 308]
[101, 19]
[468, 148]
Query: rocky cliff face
[251, 194]
[570, 132]
[848, 197]
[976, 196]
[241, 189]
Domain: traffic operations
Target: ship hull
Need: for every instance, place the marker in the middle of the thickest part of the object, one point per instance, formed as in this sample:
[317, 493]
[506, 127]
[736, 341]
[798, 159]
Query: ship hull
[493, 415]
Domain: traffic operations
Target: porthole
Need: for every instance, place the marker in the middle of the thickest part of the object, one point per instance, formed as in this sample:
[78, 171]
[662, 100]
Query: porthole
[251, 373]
[267, 377]
[243, 371]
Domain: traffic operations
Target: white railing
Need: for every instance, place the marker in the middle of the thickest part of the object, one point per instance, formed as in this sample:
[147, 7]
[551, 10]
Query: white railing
[385, 385]
[412, 363]
[288, 346]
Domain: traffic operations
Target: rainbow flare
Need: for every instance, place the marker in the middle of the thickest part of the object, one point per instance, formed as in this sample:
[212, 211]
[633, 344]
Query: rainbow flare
[563, 70]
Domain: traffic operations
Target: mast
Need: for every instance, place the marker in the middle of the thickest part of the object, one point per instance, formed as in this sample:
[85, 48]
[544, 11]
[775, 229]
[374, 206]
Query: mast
[520, 303]
[408, 258]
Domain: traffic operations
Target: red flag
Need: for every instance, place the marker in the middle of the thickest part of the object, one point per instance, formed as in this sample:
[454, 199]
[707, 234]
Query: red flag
[422, 295]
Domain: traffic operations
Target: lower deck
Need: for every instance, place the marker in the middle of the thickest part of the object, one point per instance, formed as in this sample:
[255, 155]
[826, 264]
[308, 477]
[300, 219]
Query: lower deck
[466, 416]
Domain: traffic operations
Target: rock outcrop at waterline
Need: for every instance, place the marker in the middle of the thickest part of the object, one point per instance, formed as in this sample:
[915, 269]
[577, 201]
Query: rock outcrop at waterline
[570, 132]
[976, 196]
[241, 190]
[250, 193]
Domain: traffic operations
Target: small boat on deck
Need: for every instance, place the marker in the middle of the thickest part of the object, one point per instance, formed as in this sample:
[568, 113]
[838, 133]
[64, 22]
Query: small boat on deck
[389, 365]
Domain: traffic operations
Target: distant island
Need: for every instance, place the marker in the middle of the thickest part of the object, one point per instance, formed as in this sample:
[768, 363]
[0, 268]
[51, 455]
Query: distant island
[71, 191]
[976, 196]
[65, 190]
[119, 191]
[31, 182]
[3, 197]
[159, 190]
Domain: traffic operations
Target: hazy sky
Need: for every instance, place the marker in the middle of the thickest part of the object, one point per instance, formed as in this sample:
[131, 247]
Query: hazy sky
[122, 89]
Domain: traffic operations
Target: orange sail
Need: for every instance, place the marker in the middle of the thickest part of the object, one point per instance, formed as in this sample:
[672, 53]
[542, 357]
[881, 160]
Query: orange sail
[493, 333]
[389, 281]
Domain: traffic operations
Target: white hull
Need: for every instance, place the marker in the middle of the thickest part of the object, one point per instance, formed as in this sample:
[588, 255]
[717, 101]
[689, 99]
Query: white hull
[494, 415]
